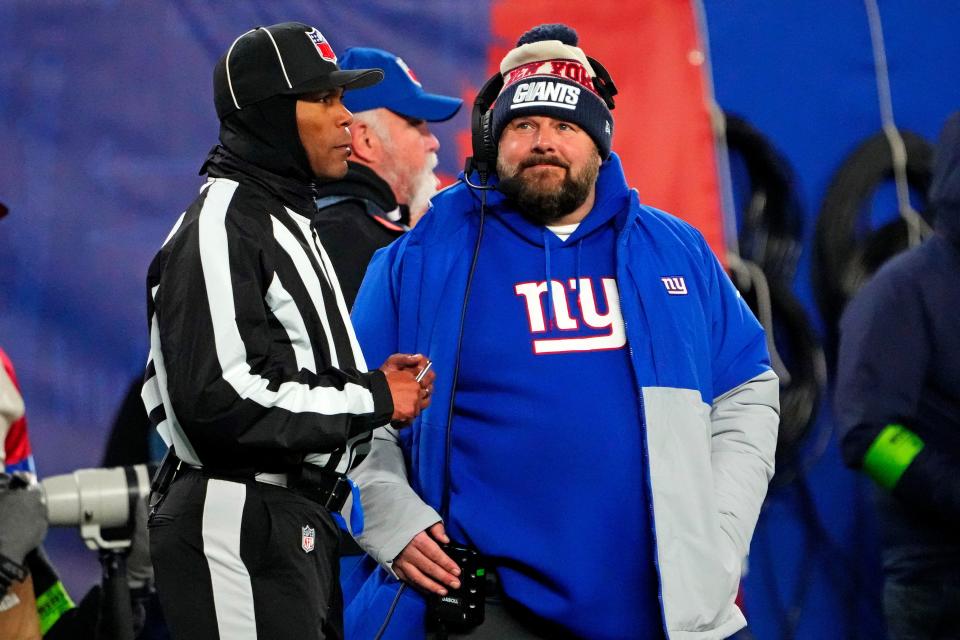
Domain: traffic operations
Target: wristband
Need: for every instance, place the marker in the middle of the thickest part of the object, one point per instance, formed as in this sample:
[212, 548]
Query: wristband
[51, 604]
[890, 454]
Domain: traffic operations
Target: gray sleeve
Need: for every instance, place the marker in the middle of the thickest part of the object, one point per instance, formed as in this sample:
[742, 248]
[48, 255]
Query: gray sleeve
[393, 512]
[745, 421]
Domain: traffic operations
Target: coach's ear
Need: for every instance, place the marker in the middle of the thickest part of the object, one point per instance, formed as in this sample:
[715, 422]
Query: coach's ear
[368, 147]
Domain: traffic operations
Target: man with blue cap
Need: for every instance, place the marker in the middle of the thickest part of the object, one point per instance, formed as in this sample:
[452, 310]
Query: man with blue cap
[390, 177]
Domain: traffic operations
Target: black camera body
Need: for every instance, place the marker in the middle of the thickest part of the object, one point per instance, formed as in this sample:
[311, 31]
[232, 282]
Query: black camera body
[462, 608]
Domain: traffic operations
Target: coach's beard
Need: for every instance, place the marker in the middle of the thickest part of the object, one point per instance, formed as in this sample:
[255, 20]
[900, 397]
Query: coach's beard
[538, 201]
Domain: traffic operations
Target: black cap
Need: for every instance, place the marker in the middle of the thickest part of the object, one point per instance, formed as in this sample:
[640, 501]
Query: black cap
[289, 58]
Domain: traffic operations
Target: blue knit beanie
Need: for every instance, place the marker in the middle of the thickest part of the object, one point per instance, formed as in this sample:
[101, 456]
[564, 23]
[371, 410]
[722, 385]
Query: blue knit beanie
[549, 75]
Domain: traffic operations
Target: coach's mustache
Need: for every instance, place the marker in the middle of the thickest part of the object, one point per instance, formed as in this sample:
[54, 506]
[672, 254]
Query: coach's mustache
[534, 160]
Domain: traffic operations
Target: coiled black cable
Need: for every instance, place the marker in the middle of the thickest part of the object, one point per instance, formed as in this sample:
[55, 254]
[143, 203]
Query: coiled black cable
[846, 251]
[771, 217]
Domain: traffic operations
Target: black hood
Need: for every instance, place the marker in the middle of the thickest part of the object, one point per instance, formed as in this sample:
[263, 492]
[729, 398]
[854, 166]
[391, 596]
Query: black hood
[265, 135]
[363, 182]
[944, 194]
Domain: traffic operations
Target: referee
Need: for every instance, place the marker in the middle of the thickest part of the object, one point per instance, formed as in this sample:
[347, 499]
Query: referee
[255, 378]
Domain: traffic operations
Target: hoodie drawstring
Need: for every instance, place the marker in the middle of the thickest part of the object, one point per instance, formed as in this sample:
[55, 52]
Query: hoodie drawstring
[576, 282]
[551, 313]
[551, 318]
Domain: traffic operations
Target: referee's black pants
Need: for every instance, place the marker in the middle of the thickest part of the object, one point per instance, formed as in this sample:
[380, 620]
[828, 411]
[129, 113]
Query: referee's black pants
[234, 561]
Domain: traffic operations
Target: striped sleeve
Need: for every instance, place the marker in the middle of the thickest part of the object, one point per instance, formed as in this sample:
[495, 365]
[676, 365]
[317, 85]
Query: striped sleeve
[222, 343]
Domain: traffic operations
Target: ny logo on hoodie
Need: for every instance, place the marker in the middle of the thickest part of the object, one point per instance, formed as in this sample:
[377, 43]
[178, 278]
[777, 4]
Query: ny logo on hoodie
[606, 330]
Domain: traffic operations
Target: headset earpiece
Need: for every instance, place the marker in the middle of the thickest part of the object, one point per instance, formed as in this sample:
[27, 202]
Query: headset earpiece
[484, 158]
[603, 83]
[488, 146]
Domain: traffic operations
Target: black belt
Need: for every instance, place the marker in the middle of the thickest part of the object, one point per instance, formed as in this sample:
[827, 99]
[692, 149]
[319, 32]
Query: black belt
[327, 488]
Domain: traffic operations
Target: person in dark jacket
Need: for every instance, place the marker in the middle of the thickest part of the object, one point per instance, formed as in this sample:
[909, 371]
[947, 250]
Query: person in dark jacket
[390, 177]
[255, 377]
[898, 405]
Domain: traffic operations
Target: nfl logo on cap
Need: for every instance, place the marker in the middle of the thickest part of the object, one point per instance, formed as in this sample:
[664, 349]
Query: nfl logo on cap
[308, 538]
[323, 47]
[407, 70]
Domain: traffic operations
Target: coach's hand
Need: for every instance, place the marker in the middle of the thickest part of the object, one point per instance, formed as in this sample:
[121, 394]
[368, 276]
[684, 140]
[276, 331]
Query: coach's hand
[423, 563]
[409, 396]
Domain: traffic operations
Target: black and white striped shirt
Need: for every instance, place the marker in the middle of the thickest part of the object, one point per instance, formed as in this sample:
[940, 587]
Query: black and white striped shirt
[253, 361]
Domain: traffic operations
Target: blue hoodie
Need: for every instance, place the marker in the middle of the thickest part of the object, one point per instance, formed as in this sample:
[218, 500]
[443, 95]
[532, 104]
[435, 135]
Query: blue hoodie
[547, 421]
[899, 363]
[676, 396]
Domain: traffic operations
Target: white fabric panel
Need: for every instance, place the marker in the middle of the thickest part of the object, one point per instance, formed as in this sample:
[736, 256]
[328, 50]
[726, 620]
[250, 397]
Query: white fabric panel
[310, 279]
[745, 424]
[285, 310]
[698, 565]
[341, 303]
[231, 353]
[229, 578]
[169, 429]
[176, 227]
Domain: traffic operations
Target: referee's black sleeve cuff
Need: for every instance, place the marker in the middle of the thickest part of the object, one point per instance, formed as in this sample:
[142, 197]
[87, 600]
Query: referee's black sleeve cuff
[382, 405]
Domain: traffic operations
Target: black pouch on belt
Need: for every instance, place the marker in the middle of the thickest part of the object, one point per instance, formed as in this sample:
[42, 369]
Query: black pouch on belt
[327, 488]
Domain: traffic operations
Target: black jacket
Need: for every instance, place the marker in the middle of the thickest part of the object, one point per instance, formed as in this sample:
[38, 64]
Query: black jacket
[900, 364]
[252, 365]
[352, 223]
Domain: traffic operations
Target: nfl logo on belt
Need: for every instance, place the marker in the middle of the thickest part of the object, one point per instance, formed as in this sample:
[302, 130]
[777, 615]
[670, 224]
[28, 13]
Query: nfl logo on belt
[308, 538]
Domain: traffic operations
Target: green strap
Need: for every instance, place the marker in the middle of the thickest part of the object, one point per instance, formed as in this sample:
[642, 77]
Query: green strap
[890, 454]
[52, 604]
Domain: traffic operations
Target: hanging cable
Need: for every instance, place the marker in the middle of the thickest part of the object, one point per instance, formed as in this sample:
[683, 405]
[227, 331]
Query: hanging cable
[718, 123]
[917, 227]
[797, 359]
[756, 282]
[846, 251]
[771, 217]
[770, 234]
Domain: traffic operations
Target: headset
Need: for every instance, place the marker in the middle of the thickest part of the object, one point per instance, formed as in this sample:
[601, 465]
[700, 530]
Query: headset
[484, 158]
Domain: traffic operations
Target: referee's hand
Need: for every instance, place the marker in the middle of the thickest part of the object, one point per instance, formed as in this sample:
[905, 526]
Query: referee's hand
[423, 564]
[409, 396]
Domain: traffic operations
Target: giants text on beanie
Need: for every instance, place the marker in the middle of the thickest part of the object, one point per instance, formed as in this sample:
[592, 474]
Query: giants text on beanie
[549, 75]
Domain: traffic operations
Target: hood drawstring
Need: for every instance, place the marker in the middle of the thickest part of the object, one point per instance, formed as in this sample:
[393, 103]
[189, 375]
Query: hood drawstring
[576, 282]
[551, 312]
[551, 316]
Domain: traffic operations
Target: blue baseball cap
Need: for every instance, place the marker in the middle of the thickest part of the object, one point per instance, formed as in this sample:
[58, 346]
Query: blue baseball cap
[399, 91]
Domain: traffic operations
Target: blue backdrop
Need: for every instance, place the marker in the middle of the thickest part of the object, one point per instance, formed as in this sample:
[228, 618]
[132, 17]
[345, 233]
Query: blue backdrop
[106, 113]
[803, 73]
